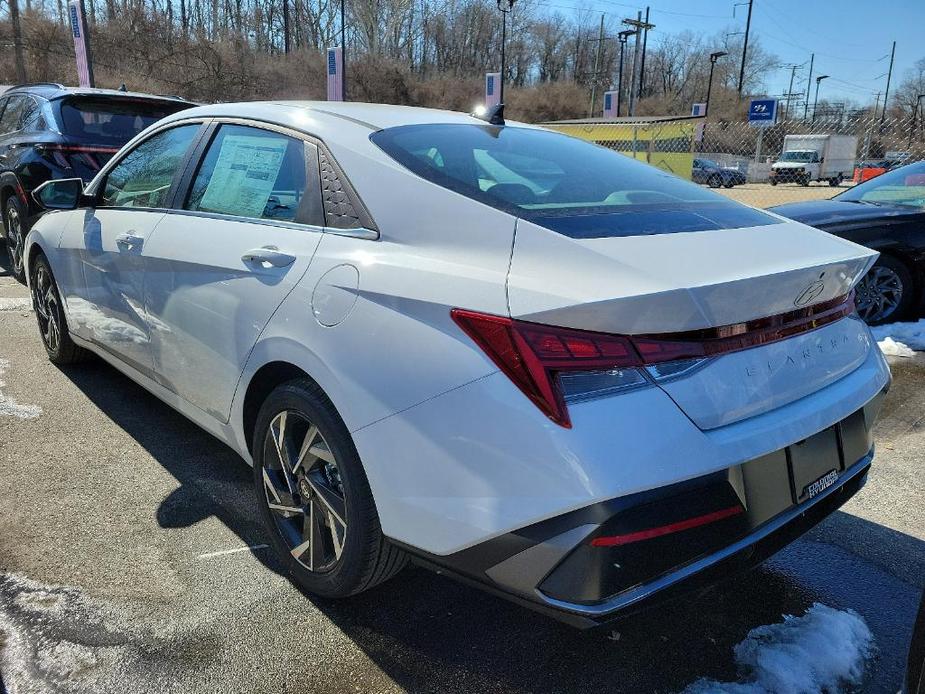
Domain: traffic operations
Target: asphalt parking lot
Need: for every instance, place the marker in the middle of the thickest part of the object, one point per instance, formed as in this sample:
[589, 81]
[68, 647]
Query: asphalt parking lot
[766, 195]
[131, 560]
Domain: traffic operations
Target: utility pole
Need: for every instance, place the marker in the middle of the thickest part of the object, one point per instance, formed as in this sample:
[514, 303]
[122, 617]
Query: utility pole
[642, 63]
[889, 76]
[597, 67]
[748, 26]
[808, 82]
[793, 72]
[639, 26]
[17, 43]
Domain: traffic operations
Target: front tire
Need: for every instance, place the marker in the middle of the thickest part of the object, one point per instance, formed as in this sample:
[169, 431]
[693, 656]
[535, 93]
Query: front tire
[715, 181]
[14, 222]
[46, 300]
[315, 497]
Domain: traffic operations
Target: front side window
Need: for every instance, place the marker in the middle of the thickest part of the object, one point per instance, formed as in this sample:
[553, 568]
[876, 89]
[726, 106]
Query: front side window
[144, 176]
[568, 185]
[254, 173]
[903, 187]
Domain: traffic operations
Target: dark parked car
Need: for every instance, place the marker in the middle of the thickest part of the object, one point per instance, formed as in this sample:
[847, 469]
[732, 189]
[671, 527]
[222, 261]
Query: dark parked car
[51, 131]
[709, 172]
[887, 214]
[915, 669]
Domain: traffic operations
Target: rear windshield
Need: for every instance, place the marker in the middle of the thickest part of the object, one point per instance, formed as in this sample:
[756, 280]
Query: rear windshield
[112, 121]
[565, 184]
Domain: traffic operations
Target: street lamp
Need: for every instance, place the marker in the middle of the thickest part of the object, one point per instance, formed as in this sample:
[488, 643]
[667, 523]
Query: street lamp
[504, 12]
[622, 36]
[713, 58]
[816, 100]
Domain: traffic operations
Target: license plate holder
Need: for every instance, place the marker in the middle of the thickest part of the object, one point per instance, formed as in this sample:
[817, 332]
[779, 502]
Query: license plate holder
[815, 464]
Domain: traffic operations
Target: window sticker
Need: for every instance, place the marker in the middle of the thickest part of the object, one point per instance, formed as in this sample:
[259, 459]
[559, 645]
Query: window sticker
[244, 175]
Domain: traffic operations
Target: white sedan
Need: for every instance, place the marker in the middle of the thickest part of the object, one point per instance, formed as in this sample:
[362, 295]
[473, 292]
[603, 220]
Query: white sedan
[498, 350]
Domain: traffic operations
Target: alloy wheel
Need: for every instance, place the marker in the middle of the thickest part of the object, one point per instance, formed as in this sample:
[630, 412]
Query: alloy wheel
[47, 309]
[304, 491]
[14, 238]
[878, 294]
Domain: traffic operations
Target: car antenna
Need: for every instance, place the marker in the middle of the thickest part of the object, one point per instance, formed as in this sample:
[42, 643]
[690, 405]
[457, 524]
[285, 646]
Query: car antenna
[493, 115]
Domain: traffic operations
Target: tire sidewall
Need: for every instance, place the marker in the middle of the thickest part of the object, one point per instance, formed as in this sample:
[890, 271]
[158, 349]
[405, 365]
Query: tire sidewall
[13, 203]
[909, 289]
[42, 261]
[346, 575]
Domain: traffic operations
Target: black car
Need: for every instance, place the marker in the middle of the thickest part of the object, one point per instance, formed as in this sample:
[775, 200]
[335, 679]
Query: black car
[887, 214]
[709, 172]
[51, 131]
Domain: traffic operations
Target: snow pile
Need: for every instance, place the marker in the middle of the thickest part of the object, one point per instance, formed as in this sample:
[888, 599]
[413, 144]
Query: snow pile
[9, 406]
[821, 651]
[900, 339]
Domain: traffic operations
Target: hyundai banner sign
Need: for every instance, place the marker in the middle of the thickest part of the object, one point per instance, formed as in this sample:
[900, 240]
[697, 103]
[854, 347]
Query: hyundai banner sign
[78, 22]
[610, 104]
[492, 89]
[762, 113]
[335, 74]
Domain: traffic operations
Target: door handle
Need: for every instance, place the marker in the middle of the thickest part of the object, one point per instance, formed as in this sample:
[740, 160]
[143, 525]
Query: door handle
[129, 241]
[268, 254]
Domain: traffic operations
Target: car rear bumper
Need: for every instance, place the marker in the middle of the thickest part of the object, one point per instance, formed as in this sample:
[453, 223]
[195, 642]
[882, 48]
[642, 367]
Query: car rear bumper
[612, 558]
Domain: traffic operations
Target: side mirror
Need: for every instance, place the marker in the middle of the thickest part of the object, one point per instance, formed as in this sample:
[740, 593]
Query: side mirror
[60, 194]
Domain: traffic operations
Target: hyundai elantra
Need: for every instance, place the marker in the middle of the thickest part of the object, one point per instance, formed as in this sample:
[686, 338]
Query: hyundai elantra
[515, 356]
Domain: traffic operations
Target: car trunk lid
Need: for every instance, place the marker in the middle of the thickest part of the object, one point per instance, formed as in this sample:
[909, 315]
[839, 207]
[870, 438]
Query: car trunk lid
[678, 283]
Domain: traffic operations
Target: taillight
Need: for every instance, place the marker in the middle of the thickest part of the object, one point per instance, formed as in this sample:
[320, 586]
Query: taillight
[67, 155]
[554, 366]
[534, 356]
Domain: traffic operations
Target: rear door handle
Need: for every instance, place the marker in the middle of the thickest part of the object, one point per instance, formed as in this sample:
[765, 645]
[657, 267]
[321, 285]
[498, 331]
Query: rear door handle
[268, 255]
[129, 241]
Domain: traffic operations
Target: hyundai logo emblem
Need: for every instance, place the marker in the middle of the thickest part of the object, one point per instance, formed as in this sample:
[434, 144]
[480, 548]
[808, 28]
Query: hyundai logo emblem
[810, 293]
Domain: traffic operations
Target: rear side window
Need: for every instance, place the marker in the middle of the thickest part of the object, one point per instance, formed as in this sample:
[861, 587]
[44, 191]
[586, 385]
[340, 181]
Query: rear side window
[565, 184]
[112, 121]
[16, 108]
[144, 176]
[257, 174]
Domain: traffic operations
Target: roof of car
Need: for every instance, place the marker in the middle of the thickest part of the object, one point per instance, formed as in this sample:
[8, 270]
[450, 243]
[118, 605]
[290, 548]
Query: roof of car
[53, 90]
[299, 114]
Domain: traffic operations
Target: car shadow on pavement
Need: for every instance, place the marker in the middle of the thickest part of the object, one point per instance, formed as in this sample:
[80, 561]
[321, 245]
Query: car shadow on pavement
[430, 633]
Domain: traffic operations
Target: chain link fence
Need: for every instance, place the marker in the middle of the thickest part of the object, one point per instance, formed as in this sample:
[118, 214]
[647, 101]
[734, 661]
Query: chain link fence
[791, 161]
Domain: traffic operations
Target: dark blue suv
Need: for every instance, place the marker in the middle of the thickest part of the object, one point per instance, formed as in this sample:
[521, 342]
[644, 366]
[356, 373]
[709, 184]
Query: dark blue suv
[51, 131]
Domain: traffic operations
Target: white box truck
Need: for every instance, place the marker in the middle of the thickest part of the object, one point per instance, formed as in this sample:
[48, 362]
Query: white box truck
[808, 158]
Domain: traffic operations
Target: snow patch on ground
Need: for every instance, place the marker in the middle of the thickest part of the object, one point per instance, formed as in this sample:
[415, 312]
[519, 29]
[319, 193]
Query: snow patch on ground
[900, 339]
[9, 406]
[822, 651]
[18, 304]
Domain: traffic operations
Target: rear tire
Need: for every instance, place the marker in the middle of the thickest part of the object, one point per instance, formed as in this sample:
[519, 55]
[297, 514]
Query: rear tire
[804, 181]
[315, 497]
[835, 181]
[773, 181]
[14, 223]
[56, 338]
